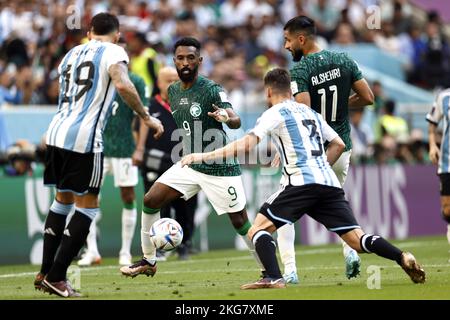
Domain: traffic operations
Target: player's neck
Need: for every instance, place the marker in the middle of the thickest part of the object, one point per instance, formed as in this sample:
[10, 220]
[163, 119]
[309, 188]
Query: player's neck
[276, 99]
[313, 49]
[101, 38]
[188, 85]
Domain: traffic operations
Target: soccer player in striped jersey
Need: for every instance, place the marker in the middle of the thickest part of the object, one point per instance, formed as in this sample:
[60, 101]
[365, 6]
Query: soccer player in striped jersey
[439, 111]
[310, 185]
[323, 80]
[90, 74]
[200, 107]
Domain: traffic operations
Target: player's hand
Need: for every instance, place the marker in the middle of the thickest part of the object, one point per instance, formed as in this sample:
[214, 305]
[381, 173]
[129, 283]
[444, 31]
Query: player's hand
[219, 114]
[191, 158]
[138, 157]
[434, 154]
[156, 125]
[276, 161]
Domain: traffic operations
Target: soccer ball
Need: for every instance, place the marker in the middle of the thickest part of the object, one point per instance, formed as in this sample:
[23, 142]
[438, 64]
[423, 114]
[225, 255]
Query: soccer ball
[166, 234]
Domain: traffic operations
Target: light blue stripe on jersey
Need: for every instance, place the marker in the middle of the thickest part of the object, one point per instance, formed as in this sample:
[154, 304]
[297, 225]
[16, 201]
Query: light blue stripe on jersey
[71, 97]
[62, 86]
[72, 133]
[446, 141]
[297, 143]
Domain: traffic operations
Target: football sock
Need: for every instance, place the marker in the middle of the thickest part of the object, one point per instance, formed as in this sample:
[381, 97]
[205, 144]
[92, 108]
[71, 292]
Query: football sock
[266, 249]
[73, 239]
[243, 232]
[347, 249]
[129, 215]
[53, 231]
[149, 216]
[378, 245]
[286, 240]
[91, 239]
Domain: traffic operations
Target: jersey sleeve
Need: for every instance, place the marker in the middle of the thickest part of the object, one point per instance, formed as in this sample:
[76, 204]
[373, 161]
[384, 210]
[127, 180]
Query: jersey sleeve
[220, 97]
[299, 80]
[266, 124]
[435, 115]
[115, 54]
[354, 69]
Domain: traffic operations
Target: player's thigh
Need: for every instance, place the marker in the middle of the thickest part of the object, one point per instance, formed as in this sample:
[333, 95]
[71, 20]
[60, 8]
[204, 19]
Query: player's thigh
[288, 204]
[107, 166]
[180, 179]
[226, 194]
[333, 210]
[125, 173]
[340, 167]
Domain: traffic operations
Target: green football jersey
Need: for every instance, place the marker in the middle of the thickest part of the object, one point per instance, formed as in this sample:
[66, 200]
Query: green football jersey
[328, 77]
[118, 137]
[200, 132]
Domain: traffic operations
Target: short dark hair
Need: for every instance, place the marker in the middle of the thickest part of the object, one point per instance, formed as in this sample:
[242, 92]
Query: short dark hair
[187, 42]
[301, 23]
[279, 80]
[389, 106]
[104, 23]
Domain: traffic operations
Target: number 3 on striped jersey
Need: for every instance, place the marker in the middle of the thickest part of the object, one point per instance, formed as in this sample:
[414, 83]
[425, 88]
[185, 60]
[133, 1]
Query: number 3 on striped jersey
[323, 102]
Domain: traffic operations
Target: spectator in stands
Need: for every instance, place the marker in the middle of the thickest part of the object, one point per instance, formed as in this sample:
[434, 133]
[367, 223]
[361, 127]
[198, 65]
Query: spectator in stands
[362, 137]
[143, 60]
[392, 125]
[436, 59]
[344, 34]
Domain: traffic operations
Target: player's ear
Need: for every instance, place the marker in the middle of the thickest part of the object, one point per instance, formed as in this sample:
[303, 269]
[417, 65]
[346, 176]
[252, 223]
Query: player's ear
[200, 60]
[89, 35]
[117, 37]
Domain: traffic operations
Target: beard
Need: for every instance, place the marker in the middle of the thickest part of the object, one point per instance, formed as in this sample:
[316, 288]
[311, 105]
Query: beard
[187, 77]
[297, 55]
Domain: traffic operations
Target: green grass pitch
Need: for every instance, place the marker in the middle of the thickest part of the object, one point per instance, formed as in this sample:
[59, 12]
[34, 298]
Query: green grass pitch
[217, 275]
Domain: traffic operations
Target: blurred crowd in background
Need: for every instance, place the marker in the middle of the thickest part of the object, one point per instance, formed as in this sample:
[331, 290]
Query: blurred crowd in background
[241, 39]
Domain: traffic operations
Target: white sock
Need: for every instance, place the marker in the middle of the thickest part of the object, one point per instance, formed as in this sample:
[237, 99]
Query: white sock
[148, 248]
[251, 247]
[128, 226]
[91, 239]
[448, 233]
[347, 249]
[286, 240]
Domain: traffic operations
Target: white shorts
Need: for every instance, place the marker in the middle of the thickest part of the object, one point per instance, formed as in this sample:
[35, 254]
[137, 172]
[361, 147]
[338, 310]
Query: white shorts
[340, 167]
[226, 194]
[125, 174]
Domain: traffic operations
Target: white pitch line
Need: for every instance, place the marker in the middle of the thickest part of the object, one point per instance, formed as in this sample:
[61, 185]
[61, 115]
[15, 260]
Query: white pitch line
[298, 252]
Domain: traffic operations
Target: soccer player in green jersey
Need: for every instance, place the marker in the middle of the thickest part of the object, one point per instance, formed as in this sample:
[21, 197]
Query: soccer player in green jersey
[119, 147]
[200, 108]
[323, 80]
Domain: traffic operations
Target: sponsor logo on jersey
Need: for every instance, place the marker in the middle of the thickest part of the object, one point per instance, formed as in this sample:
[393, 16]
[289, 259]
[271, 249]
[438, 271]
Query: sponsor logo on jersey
[195, 109]
[184, 101]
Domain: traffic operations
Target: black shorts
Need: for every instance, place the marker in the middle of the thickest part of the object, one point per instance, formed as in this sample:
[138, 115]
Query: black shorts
[72, 171]
[445, 184]
[324, 204]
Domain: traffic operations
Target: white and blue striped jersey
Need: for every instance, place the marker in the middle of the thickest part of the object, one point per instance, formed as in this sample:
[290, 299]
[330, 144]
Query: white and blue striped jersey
[85, 96]
[299, 134]
[439, 111]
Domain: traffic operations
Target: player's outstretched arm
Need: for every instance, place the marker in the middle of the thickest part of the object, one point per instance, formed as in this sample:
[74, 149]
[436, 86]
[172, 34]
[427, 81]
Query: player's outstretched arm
[119, 76]
[335, 149]
[363, 95]
[227, 116]
[240, 146]
[434, 150]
